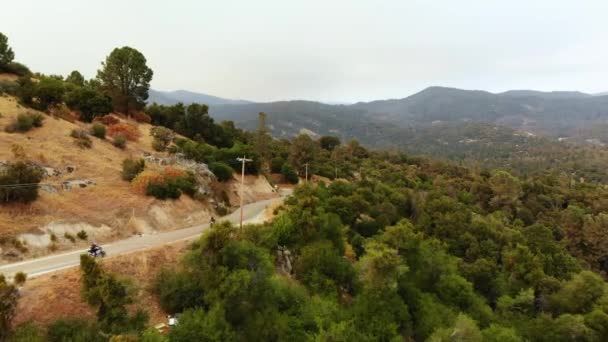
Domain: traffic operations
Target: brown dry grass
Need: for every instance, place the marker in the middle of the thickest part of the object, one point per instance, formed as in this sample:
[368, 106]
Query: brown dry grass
[57, 295]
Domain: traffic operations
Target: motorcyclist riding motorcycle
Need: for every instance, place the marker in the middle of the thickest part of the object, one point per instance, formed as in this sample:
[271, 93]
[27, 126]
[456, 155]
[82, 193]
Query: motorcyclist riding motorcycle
[96, 251]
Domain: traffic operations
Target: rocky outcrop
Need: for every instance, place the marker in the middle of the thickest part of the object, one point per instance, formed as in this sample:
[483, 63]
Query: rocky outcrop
[77, 183]
[284, 260]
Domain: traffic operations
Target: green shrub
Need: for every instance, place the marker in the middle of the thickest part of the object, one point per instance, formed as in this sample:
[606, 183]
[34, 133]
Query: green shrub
[20, 278]
[276, 164]
[120, 141]
[163, 191]
[162, 138]
[82, 235]
[25, 122]
[186, 184]
[98, 130]
[27, 332]
[9, 87]
[82, 138]
[74, 329]
[173, 187]
[131, 168]
[222, 171]
[69, 237]
[48, 92]
[19, 173]
[18, 69]
[289, 174]
[89, 102]
[177, 291]
[37, 119]
[20, 245]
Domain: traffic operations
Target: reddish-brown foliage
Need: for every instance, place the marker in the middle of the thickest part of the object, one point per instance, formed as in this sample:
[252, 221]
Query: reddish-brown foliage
[173, 173]
[141, 182]
[129, 131]
[107, 120]
[142, 117]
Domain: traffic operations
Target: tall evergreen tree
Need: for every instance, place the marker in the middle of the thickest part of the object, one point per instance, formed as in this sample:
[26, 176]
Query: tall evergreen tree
[6, 53]
[262, 142]
[125, 77]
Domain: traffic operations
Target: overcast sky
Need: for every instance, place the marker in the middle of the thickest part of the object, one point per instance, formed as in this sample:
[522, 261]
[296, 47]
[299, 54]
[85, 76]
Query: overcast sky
[328, 50]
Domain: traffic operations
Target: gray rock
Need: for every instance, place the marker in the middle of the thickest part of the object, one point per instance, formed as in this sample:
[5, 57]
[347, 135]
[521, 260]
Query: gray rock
[77, 183]
[48, 188]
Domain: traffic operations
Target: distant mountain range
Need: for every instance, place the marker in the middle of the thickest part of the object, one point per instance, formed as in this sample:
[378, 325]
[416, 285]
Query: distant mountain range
[541, 113]
[188, 97]
[555, 114]
[519, 129]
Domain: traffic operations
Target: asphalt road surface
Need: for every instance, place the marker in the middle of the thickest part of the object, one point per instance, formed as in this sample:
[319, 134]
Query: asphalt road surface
[52, 263]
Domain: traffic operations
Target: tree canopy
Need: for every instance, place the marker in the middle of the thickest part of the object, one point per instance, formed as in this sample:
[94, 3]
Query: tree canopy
[125, 77]
[6, 53]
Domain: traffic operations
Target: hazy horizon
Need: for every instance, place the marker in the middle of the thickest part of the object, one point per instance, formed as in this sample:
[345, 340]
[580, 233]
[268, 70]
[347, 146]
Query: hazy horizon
[341, 52]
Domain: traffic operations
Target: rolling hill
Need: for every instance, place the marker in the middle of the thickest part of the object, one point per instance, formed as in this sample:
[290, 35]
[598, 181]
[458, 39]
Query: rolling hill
[552, 114]
[521, 130]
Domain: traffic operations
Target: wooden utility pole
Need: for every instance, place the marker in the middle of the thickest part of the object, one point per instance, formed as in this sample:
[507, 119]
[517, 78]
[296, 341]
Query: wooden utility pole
[306, 174]
[242, 160]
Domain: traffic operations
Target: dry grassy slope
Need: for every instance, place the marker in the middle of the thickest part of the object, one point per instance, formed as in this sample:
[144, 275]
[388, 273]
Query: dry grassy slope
[57, 295]
[109, 209]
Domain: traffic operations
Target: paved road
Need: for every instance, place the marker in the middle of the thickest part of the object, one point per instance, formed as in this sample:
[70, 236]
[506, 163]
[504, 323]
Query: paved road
[36, 267]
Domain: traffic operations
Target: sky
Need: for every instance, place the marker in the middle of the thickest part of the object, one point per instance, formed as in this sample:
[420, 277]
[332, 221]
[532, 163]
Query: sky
[324, 50]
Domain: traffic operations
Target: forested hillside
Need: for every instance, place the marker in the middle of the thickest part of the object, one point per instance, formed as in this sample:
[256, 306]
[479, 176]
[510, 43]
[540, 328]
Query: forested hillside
[522, 131]
[398, 249]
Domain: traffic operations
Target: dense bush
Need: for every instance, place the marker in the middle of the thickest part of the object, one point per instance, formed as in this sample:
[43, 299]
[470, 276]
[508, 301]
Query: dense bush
[48, 91]
[145, 178]
[289, 174]
[163, 190]
[76, 329]
[20, 278]
[23, 174]
[27, 332]
[25, 122]
[329, 142]
[193, 122]
[98, 130]
[276, 164]
[132, 167]
[171, 183]
[222, 171]
[18, 69]
[177, 291]
[88, 102]
[130, 132]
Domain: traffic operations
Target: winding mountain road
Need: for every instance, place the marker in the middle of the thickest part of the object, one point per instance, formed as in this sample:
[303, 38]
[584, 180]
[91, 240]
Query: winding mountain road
[52, 263]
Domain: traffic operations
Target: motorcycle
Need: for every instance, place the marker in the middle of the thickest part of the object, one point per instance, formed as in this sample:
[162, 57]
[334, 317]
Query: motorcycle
[97, 252]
